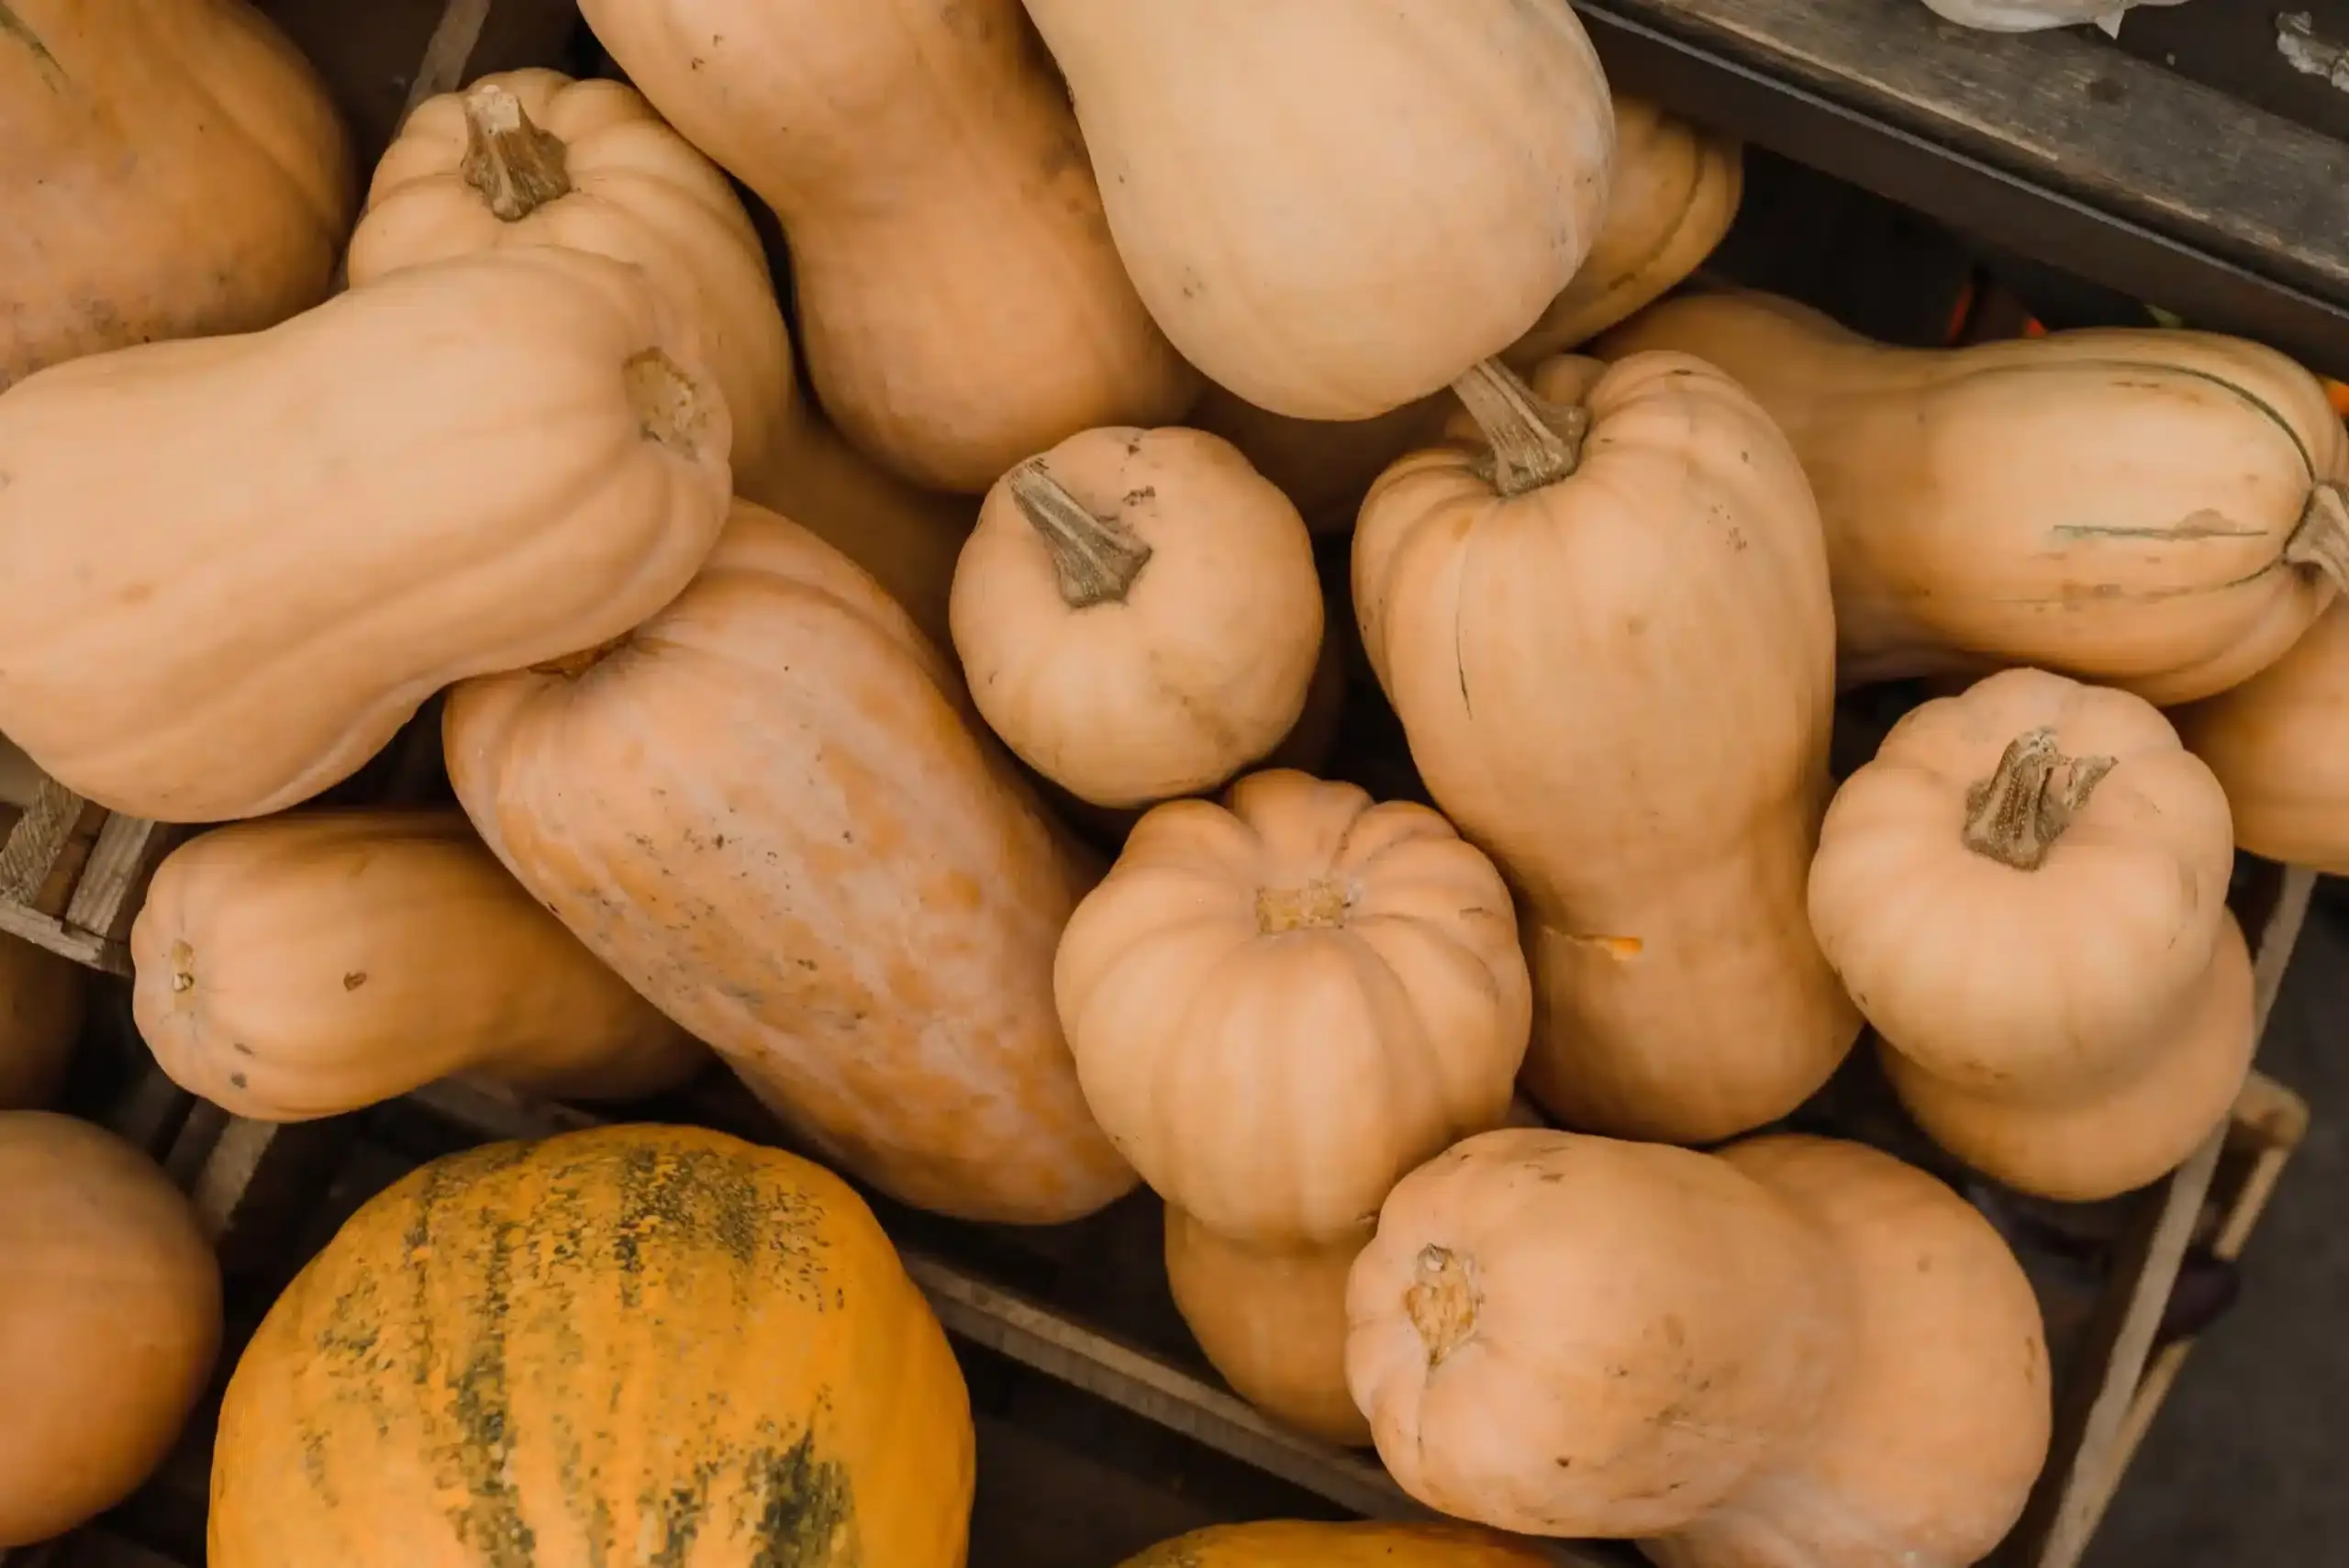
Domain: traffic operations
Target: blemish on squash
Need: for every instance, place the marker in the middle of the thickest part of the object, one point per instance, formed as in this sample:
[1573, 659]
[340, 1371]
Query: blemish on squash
[490, 1521]
[354, 980]
[1622, 948]
[1442, 1302]
[14, 27]
[806, 1518]
[235, 1080]
[668, 402]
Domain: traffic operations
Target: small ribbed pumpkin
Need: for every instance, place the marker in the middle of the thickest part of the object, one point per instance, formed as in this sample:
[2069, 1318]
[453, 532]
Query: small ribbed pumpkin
[633, 1344]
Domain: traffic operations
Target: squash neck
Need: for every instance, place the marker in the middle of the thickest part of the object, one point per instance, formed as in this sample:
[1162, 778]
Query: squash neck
[2321, 540]
[516, 167]
[2016, 815]
[570, 666]
[1534, 442]
[1095, 559]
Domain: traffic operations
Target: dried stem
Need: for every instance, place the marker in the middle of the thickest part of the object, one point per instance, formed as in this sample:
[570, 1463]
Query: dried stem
[2015, 816]
[515, 165]
[2321, 540]
[1095, 559]
[1535, 442]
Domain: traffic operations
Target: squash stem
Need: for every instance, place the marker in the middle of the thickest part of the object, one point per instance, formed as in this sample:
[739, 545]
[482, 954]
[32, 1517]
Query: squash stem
[1095, 559]
[2321, 540]
[2015, 816]
[516, 167]
[1442, 1302]
[1535, 442]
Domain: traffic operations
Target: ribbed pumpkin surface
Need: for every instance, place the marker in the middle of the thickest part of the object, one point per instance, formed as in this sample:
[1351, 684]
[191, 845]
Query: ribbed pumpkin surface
[632, 1346]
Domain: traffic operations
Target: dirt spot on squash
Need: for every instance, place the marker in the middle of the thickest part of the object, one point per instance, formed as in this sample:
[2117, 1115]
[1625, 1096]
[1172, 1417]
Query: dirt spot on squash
[807, 1518]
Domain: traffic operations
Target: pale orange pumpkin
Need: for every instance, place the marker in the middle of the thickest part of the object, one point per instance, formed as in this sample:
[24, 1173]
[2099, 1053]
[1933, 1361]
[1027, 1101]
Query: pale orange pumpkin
[2023, 889]
[42, 1003]
[1137, 614]
[1279, 174]
[2279, 745]
[959, 301]
[1273, 1322]
[1564, 1335]
[2157, 510]
[1925, 1452]
[169, 169]
[1281, 1002]
[1610, 641]
[109, 1320]
[321, 962]
[467, 465]
[2118, 1136]
[534, 158]
[769, 810]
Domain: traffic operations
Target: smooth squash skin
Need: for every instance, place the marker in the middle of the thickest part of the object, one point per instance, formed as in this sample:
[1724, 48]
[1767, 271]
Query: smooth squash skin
[1564, 1335]
[2279, 745]
[169, 169]
[1273, 1323]
[2156, 510]
[317, 963]
[1925, 1452]
[1611, 649]
[772, 811]
[959, 301]
[648, 1344]
[469, 465]
[109, 1321]
[535, 158]
[42, 998]
[1279, 173]
[1287, 1544]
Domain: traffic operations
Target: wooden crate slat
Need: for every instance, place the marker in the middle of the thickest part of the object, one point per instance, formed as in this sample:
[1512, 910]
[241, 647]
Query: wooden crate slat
[38, 843]
[48, 931]
[114, 879]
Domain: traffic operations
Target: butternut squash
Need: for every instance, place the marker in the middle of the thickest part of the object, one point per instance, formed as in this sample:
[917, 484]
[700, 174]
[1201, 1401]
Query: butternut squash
[959, 301]
[466, 466]
[770, 810]
[1610, 642]
[2160, 511]
[1273, 1322]
[2278, 744]
[1278, 173]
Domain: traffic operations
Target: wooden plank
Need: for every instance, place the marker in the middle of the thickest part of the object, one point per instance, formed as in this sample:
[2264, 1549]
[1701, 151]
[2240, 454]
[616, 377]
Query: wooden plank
[37, 843]
[48, 931]
[451, 47]
[114, 879]
[2278, 937]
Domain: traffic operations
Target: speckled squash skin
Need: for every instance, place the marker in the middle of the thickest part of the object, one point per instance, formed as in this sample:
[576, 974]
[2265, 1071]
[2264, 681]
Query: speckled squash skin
[631, 1345]
[1293, 1543]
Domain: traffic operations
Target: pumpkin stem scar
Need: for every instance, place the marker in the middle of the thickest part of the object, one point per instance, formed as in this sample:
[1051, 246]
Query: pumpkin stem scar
[1443, 1302]
[1095, 559]
[2321, 540]
[2015, 816]
[513, 163]
[1318, 905]
[1534, 442]
[668, 403]
[14, 27]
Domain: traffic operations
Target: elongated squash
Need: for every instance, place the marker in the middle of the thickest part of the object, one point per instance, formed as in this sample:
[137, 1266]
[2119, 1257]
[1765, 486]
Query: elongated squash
[2279, 745]
[1273, 1321]
[1609, 643]
[2159, 511]
[770, 810]
[317, 963]
[467, 467]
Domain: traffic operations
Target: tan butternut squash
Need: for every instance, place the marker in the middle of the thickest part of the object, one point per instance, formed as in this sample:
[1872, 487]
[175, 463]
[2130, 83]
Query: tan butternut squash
[2279, 745]
[466, 466]
[317, 963]
[169, 169]
[771, 811]
[1137, 614]
[959, 301]
[1279, 173]
[534, 158]
[41, 1001]
[1610, 642]
[2156, 510]
[1273, 1322]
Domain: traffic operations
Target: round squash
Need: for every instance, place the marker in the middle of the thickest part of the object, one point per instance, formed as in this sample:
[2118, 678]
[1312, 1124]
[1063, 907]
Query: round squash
[650, 1344]
[1285, 1543]
[1564, 1335]
[769, 810]
[1674, 190]
[1610, 642]
[2279, 745]
[1273, 1322]
[1282, 1003]
[959, 301]
[41, 1002]
[2023, 889]
[466, 466]
[2122, 1136]
[534, 158]
[170, 169]
[1925, 1452]
[109, 1320]
[315, 964]
[2157, 510]
[1137, 614]
[1276, 176]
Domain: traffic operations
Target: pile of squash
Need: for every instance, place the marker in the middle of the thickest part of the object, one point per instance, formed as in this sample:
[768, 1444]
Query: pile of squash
[940, 754]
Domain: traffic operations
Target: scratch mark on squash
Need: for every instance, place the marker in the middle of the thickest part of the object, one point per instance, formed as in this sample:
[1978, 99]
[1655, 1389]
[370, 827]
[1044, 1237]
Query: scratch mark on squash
[14, 27]
[2180, 532]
